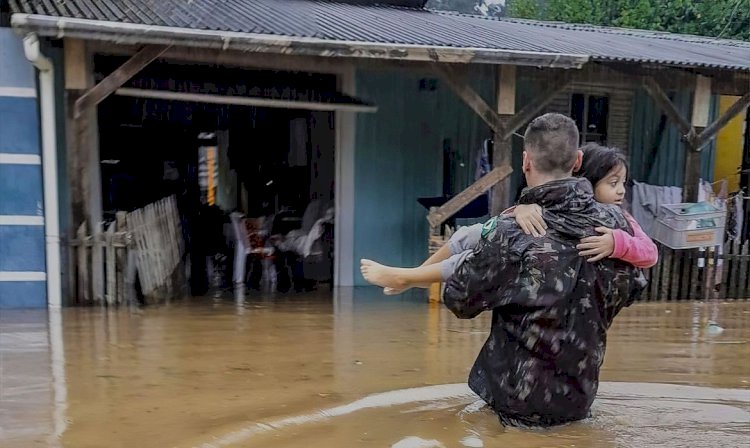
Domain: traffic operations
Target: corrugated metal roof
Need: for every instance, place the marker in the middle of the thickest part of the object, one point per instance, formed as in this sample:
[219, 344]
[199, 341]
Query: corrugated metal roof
[355, 21]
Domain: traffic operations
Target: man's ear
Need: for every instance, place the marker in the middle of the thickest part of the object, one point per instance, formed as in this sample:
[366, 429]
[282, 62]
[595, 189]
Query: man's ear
[526, 165]
[579, 161]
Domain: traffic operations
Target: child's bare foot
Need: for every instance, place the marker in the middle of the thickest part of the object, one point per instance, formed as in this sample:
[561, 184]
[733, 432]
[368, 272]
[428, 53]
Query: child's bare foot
[382, 275]
[394, 291]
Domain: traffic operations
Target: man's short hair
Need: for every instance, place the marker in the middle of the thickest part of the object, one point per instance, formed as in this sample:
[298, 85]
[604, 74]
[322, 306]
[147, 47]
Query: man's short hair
[551, 141]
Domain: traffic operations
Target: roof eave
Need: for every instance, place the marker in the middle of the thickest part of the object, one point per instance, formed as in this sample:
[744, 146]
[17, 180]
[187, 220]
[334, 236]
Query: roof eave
[134, 34]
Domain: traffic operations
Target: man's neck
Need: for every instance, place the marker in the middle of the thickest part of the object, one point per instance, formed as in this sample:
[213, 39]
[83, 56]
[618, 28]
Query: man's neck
[541, 179]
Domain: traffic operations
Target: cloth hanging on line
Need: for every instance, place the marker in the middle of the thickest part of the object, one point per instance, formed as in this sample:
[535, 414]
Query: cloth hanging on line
[648, 199]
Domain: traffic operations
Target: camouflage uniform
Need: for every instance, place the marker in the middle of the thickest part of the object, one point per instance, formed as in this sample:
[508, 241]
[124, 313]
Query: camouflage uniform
[550, 307]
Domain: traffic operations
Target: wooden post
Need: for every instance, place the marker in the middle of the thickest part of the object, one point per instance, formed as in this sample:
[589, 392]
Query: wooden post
[83, 155]
[503, 147]
[121, 259]
[109, 249]
[82, 295]
[698, 121]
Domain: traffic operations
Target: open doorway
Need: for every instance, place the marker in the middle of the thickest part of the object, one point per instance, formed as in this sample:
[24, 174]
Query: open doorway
[267, 167]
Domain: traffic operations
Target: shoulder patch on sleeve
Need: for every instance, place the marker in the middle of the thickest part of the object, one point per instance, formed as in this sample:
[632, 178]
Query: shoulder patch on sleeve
[488, 229]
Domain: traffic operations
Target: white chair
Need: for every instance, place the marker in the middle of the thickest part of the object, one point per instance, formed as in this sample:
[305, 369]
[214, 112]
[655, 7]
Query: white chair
[243, 248]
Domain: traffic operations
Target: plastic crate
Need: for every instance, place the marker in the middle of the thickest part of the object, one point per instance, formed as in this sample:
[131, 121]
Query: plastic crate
[688, 226]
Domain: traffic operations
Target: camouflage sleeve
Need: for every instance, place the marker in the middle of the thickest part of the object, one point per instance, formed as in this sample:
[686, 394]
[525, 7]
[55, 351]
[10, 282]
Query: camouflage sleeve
[478, 282]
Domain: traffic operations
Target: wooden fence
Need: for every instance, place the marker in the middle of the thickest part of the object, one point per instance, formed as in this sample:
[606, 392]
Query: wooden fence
[701, 275]
[144, 245]
[158, 246]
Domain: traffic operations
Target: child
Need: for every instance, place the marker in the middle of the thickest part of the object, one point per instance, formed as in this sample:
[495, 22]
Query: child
[606, 169]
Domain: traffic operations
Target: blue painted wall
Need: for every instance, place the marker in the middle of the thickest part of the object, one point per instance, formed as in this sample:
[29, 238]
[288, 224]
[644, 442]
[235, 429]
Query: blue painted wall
[21, 245]
[399, 158]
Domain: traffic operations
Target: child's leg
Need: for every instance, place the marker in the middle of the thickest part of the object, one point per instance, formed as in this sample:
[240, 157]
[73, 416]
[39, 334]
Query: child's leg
[401, 279]
[464, 239]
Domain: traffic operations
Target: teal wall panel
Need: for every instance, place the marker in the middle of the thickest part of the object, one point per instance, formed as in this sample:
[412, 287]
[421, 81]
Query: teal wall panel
[399, 158]
[665, 165]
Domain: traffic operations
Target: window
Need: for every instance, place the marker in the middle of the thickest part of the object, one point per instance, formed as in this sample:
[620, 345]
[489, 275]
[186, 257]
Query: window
[590, 113]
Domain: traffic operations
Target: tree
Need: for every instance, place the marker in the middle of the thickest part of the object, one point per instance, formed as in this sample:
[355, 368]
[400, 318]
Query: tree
[717, 18]
[483, 7]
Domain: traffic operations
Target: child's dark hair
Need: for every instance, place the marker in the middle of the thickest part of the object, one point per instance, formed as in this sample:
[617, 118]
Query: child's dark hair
[599, 160]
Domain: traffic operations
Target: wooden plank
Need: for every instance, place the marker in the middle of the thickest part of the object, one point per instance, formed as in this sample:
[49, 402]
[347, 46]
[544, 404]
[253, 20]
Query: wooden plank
[713, 129]
[76, 64]
[530, 111]
[122, 260]
[503, 148]
[111, 278]
[83, 268]
[459, 82]
[737, 273]
[692, 174]
[665, 104]
[701, 102]
[155, 243]
[506, 90]
[178, 227]
[97, 264]
[742, 277]
[117, 78]
[133, 227]
[455, 204]
[246, 101]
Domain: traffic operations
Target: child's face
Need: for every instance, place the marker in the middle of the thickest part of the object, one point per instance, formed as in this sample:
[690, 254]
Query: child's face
[611, 189]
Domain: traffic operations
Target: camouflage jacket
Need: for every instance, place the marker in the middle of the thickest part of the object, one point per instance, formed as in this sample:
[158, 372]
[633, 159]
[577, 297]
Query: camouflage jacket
[550, 307]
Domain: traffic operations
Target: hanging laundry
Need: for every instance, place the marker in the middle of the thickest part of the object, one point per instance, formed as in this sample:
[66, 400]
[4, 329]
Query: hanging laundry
[739, 213]
[483, 161]
[483, 166]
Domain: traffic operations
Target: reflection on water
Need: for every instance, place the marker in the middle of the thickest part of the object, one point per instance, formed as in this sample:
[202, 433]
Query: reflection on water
[359, 369]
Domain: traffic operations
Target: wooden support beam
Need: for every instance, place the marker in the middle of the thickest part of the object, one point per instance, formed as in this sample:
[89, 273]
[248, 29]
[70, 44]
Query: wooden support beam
[117, 78]
[530, 111]
[453, 206]
[698, 121]
[83, 156]
[711, 130]
[701, 102]
[665, 104]
[503, 148]
[459, 82]
[506, 90]
[76, 65]
[246, 100]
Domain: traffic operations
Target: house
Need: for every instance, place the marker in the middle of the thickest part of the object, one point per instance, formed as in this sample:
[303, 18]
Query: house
[389, 98]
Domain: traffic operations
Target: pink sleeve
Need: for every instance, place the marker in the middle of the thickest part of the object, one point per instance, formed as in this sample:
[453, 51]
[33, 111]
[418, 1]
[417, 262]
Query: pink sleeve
[636, 249]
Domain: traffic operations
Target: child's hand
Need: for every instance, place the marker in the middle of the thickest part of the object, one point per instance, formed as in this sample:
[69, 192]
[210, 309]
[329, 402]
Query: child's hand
[529, 218]
[597, 247]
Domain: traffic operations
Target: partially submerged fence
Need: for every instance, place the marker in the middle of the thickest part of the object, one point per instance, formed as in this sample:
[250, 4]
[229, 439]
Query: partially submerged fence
[143, 246]
[701, 274]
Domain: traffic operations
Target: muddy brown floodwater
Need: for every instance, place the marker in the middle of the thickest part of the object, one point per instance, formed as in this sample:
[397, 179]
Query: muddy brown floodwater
[347, 370]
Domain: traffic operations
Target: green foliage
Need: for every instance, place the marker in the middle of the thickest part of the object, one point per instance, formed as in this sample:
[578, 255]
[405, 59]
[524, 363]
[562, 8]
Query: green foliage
[717, 18]
[523, 9]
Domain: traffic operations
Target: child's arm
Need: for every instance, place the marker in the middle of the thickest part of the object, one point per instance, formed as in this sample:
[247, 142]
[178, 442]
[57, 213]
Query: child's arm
[529, 218]
[637, 249]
